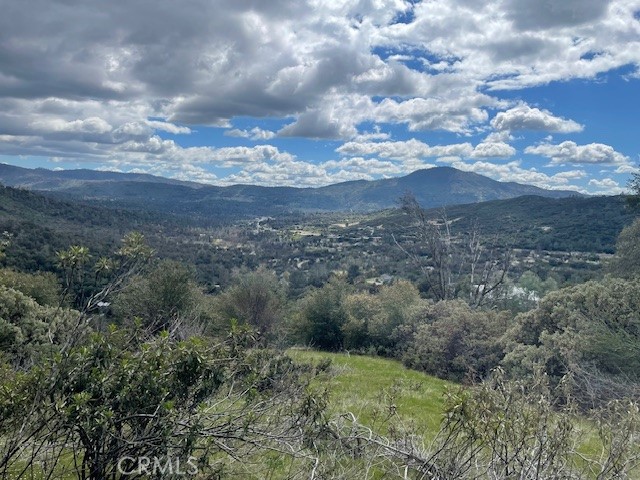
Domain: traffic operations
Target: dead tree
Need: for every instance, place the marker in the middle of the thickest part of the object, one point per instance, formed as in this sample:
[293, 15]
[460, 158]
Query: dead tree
[454, 266]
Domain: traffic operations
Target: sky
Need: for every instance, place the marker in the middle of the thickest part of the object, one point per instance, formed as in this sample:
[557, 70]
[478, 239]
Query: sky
[314, 92]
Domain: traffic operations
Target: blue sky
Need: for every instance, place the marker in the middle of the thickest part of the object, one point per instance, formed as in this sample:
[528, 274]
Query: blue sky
[307, 93]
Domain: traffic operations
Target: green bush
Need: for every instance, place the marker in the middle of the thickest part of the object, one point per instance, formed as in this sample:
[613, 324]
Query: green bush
[453, 341]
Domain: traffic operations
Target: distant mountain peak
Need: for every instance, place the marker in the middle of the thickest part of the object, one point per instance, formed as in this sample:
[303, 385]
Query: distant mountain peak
[433, 187]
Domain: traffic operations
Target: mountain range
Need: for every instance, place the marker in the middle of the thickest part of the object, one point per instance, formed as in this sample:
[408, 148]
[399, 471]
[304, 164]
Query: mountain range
[432, 187]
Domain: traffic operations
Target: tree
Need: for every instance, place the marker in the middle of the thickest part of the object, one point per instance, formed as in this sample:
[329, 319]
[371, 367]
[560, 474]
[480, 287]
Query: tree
[321, 316]
[626, 261]
[28, 330]
[634, 185]
[453, 341]
[256, 299]
[160, 297]
[454, 266]
[5, 241]
[43, 287]
[353, 272]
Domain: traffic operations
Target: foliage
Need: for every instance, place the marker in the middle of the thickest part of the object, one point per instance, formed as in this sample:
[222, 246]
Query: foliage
[160, 297]
[372, 318]
[123, 396]
[592, 328]
[453, 341]
[626, 261]
[532, 283]
[321, 316]
[29, 330]
[256, 299]
[633, 200]
[43, 287]
[5, 241]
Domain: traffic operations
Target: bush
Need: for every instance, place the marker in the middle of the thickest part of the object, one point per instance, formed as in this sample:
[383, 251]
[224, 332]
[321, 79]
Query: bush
[43, 287]
[453, 341]
[27, 329]
[256, 299]
[321, 317]
[591, 328]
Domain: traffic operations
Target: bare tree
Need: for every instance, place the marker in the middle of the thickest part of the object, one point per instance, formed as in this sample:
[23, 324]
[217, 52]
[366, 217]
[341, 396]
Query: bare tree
[454, 265]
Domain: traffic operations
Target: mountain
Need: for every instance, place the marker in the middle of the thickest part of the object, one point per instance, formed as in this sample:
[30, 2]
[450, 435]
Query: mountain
[67, 180]
[432, 187]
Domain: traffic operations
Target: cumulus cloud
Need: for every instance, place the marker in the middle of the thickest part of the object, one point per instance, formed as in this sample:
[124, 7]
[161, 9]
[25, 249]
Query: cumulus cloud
[570, 152]
[493, 149]
[514, 172]
[256, 133]
[451, 114]
[404, 150]
[89, 125]
[606, 186]
[107, 80]
[168, 127]
[524, 117]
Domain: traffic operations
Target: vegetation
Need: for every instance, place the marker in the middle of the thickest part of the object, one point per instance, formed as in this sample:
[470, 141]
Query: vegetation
[177, 346]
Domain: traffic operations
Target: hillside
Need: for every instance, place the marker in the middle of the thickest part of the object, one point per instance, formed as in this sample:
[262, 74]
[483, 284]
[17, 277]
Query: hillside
[41, 225]
[364, 385]
[433, 187]
[586, 224]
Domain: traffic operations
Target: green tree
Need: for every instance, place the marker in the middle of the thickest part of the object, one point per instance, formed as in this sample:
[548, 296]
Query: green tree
[160, 297]
[353, 272]
[43, 287]
[256, 299]
[626, 261]
[322, 315]
[590, 331]
[372, 318]
[634, 185]
[29, 330]
[5, 241]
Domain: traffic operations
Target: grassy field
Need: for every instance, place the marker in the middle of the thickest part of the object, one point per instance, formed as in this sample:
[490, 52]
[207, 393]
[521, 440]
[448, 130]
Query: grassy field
[368, 386]
[372, 388]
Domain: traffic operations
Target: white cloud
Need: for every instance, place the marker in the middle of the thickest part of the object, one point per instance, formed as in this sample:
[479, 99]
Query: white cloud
[256, 133]
[457, 115]
[88, 125]
[370, 166]
[104, 80]
[514, 172]
[606, 186]
[493, 150]
[570, 152]
[404, 150]
[524, 117]
[627, 169]
[168, 127]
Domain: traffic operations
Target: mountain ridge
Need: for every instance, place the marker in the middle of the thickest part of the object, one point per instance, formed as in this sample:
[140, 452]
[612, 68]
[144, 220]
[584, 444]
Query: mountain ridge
[434, 187]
